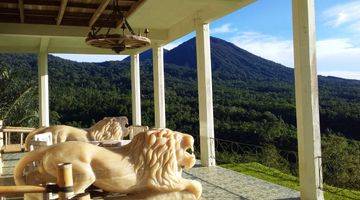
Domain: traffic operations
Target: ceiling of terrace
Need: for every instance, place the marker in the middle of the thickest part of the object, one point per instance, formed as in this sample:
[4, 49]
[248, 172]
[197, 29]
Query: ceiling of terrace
[66, 23]
[64, 12]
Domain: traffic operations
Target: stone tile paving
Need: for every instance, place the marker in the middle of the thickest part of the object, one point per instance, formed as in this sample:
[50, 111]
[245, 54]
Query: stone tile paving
[221, 183]
[218, 183]
[9, 161]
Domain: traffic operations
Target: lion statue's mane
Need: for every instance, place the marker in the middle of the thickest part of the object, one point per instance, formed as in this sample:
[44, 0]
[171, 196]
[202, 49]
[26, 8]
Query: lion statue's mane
[157, 160]
[109, 128]
[152, 161]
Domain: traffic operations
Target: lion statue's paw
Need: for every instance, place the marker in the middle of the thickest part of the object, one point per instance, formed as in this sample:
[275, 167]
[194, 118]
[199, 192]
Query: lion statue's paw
[195, 188]
[181, 195]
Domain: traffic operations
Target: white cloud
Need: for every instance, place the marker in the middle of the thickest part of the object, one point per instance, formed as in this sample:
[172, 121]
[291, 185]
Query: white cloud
[91, 57]
[266, 46]
[172, 45]
[342, 14]
[334, 55]
[225, 28]
[337, 54]
[342, 74]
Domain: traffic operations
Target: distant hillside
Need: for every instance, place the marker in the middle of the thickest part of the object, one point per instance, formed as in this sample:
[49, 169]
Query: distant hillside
[234, 67]
[229, 59]
[253, 97]
[226, 59]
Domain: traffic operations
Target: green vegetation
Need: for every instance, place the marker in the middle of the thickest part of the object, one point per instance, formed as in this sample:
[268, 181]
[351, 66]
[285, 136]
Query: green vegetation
[275, 176]
[265, 173]
[253, 103]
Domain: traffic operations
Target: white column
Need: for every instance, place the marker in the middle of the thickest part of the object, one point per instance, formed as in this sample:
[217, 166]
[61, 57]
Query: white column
[1, 145]
[307, 101]
[43, 89]
[135, 90]
[1, 134]
[159, 86]
[206, 119]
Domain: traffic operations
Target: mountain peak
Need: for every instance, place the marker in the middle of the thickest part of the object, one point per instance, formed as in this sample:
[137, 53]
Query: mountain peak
[226, 58]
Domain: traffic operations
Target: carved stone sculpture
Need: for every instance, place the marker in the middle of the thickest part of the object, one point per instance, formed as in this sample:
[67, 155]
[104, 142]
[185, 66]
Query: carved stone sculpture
[134, 130]
[151, 163]
[109, 128]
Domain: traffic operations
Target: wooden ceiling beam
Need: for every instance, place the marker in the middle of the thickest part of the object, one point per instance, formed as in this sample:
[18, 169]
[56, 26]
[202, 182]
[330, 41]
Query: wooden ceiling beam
[9, 18]
[61, 11]
[39, 30]
[98, 12]
[21, 10]
[126, 5]
[11, 15]
[133, 8]
[11, 11]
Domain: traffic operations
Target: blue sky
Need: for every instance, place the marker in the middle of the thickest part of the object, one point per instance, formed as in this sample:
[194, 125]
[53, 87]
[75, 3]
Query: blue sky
[265, 29]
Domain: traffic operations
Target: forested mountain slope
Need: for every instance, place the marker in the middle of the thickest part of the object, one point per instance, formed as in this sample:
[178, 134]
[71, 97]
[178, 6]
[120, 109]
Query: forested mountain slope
[253, 97]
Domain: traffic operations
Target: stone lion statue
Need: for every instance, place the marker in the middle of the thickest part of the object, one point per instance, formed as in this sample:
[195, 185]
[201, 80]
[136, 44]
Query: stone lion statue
[151, 163]
[134, 130]
[109, 128]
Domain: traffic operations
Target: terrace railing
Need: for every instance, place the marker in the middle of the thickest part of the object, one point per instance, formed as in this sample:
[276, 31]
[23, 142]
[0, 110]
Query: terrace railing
[230, 152]
[236, 152]
[12, 138]
[343, 180]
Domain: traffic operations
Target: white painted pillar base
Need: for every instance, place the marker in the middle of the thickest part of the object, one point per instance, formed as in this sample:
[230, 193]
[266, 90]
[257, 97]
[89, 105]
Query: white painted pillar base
[1, 145]
[307, 101]
[43, 90]
[1, 134]
[206, 119]
[135, 90]
[159, 87]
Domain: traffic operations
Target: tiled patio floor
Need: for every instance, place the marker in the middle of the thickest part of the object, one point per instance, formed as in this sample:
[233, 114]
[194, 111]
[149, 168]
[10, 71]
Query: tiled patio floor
[221, 183]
